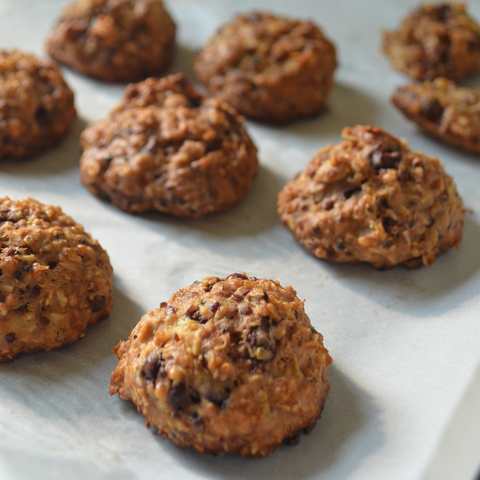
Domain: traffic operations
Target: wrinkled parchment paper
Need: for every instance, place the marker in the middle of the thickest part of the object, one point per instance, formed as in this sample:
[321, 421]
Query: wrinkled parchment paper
[405, 343]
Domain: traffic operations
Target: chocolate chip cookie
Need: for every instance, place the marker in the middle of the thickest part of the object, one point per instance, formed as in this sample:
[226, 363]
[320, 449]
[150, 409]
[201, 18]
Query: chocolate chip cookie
[228, 365]
[444, 110]
[168, 149]
[270, 68]
[372, 199]
[440, 40]
[55, 279]
[36, 104]
[114, 40]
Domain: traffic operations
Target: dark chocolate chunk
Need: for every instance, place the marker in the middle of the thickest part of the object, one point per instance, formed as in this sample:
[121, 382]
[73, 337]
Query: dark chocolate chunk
[22, 270]
[432, 110]
[10, 337]
[385, 157]
[351, 191]
[97, 303]
[153, 368]
[292, 440]
[178, 397]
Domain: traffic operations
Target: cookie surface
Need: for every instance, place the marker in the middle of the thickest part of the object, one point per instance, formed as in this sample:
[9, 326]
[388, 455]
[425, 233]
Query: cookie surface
[165, 148]
[444, 110]
[55, 279]
[36, 105]
[435, 41]
[372, 199]
[226, 366]
[270, 68]
[114, 40]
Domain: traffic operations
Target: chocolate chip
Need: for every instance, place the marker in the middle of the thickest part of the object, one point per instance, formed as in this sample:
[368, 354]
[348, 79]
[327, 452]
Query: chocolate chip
[265, 323]
[388, 224]
[220, 399]
[35, 291]
[22, 270]
[259, 337]
[432, 110]
[52, 265]
[41, 114]
[292, 440]
[97, 303]
[238, 275]
[383, 203]
[442, 12]
[309, 429]
[163, 305]
[351, 191]
[197, 420]
[10, 337]
[214, 307]
[385, 157]
[178, 397]
[153, 367]
[22, 308]
[328, 204]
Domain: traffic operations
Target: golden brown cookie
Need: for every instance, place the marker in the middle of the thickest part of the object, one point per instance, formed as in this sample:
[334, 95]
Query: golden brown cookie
[372, 199]
[444, 110]
[114, 40]
[55, 279]
[440, 40]
[166, 148]
[227, 365]
[270, 68]
[36, 105]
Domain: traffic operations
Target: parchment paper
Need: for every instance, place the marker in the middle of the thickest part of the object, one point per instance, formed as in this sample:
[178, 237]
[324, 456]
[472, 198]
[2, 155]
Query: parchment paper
[405, 343]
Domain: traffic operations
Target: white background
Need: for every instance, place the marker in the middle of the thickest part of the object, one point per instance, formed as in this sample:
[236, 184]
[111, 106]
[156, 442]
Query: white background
[405, 343]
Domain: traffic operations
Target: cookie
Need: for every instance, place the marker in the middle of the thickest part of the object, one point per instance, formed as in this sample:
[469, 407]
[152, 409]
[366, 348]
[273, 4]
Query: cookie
[114, 40]
[36, 104]
[371, 199]
[444, 110]
[167, 149]
[440, 40]
[270, 68]
[55, 279]
[227, 365]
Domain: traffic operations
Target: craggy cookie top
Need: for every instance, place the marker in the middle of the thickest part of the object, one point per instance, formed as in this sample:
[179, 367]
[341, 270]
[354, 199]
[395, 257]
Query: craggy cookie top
[114, 40]
[259, 54]
[227, 364]
[36, 105]
[54, 278]
[372, 199]
[435, 41]
[180, 154]
[172, 91]
[443, 109]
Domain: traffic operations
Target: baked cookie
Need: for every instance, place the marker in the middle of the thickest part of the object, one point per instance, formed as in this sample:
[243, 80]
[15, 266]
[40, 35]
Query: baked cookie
[114, 40]
[227, 365]
[36, 105]
[55, 280]
[166, 148]
[270, 68]
[372, 199]
[444, 110]
[440, 40]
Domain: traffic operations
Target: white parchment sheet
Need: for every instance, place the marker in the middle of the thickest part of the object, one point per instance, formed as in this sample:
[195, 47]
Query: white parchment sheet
[406, 344]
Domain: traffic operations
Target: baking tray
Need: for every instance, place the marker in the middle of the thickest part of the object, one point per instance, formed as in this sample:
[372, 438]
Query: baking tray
[405, 343]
